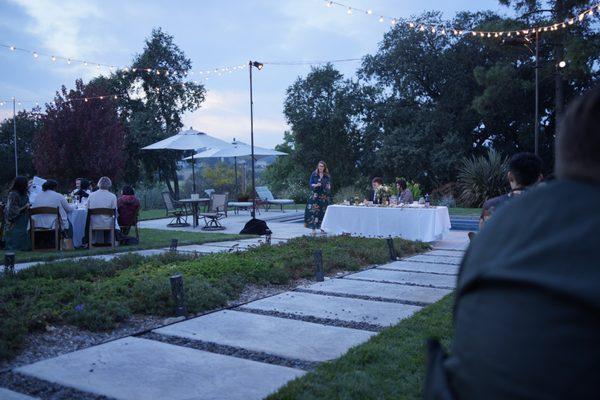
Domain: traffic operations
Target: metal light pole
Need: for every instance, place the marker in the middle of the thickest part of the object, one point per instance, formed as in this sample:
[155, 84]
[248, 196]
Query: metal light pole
[258, 66]
[537, 92]
[15, 136]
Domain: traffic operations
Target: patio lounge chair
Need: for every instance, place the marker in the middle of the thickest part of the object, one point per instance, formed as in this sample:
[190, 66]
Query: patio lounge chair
[216, 211]
[266, 198]
[175, 210]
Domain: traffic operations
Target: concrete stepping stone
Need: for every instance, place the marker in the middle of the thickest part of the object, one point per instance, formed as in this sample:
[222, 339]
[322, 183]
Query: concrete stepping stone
[380, 290]
[262, 333]
[134, 368]
[435, 259]
[413, 278]
[422, 267]
[447, 253]
[6, 394]
[330, 307]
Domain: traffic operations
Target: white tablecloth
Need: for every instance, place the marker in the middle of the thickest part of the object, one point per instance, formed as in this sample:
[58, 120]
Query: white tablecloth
[424, 224]
[77, 219]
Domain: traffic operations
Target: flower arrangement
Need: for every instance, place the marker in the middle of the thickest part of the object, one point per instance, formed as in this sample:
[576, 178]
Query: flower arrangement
[383, 195]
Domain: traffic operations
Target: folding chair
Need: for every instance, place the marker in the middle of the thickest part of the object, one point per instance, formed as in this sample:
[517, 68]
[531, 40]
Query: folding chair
[53, 211]
[175, 210]
[216, 211]
[108, 212]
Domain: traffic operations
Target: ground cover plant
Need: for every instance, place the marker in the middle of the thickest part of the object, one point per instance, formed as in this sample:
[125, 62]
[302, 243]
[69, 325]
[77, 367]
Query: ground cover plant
[96, 294]
[389, 366]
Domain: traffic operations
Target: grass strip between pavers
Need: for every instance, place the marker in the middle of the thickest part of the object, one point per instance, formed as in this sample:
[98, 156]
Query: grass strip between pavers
[390, 365]
[96, 294]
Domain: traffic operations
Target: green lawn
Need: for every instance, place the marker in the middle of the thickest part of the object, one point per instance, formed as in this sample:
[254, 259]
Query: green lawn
[96, 294]
[465, 212]
[152, 214]
[389, 366]
[149, 239]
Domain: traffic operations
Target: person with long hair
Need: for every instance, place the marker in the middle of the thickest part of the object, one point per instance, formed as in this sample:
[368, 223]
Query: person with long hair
[320, 185]
[16, 216]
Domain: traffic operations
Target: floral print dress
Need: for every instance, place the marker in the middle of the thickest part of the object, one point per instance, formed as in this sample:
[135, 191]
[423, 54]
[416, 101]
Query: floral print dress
[318, 201]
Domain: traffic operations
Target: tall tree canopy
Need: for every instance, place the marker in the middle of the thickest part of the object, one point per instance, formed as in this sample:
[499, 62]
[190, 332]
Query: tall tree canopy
[155, 104]
[80, 138]
[322, 110]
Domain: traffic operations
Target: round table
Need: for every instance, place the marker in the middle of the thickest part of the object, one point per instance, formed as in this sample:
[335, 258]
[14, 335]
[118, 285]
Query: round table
[412, 223]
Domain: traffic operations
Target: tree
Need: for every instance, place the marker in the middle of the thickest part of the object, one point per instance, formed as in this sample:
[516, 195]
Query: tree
[324, 111]
[80, 138]
[28, 124]
[157, 98]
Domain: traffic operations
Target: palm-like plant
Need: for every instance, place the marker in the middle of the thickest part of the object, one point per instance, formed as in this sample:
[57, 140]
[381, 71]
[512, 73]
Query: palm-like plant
[481, 178]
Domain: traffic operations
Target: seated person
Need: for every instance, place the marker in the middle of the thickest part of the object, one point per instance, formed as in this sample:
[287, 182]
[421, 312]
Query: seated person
[128, 207]
[16, 216]
[82, 195]
[50, 198]
[526, 318]
[524, 171]
[404, 194]
[102, 198]
[376, 183]
[77, 187]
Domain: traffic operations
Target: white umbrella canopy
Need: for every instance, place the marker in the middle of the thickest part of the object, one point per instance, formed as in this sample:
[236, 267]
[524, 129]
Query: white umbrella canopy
[188, 140]
[236, 149]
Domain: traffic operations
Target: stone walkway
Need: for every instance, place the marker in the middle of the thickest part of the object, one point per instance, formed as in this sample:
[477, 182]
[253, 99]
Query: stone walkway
[250, 351]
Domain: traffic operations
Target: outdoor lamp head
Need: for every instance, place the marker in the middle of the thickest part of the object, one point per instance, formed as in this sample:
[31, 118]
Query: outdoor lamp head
[257, 65]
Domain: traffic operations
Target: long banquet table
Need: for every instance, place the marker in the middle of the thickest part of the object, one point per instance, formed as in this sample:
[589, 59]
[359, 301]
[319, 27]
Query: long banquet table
[412, 223]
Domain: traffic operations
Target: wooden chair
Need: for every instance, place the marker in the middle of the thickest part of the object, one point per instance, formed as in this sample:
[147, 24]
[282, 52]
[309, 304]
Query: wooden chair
[217, 211]
[134, 225]
[108, 212]
[53, 211]
[175, 210]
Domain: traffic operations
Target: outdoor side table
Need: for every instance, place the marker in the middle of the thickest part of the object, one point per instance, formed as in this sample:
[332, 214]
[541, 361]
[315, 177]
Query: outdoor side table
[195, 205]
[240, 205]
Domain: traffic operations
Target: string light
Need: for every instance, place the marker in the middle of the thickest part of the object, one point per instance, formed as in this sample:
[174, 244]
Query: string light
[98, 65]
[489, 34]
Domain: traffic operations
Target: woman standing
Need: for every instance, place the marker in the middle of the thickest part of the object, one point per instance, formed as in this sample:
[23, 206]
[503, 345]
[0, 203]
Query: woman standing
[16, 216]
[320, 185]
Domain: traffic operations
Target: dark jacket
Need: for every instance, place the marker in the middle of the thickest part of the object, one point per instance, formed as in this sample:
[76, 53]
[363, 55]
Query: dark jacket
[128, 206]
[527, 313]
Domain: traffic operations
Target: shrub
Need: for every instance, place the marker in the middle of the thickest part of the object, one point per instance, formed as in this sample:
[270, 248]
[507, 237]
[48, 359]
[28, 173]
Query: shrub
[347, 193]
[296, 191]
[481, 178]
[13, 328]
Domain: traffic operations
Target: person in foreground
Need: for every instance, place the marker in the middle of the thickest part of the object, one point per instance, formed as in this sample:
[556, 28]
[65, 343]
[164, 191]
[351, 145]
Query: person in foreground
[16, 216]
[527, 312]
[320, 185]
[524, 171]
[128, 207]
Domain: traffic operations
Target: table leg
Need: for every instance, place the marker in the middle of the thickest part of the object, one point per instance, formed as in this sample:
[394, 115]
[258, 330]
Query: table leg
[195, 213]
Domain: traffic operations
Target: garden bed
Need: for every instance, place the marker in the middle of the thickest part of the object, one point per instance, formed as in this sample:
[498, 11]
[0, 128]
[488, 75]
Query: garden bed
[100, 296]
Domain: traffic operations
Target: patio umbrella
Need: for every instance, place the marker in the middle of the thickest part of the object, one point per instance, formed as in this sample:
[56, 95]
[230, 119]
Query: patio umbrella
[188, 140]
[236, 149]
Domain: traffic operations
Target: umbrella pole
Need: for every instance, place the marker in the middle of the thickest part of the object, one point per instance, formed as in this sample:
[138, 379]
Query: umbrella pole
[236, 175]
[193, 174]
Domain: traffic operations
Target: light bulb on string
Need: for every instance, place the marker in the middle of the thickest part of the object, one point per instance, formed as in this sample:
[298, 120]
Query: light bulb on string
[12, 48]
[69, 61]
[53, 58]
[35, 55]
[349, 12]
[329, 4]
[369, 12]
[562, 64]
[394, 21]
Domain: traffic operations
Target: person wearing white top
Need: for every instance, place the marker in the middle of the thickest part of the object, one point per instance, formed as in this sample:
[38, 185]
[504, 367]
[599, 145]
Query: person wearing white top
[102, 198]
[50, 198]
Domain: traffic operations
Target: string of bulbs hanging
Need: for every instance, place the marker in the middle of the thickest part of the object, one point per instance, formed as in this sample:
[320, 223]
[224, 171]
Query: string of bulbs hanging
[447, 29]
